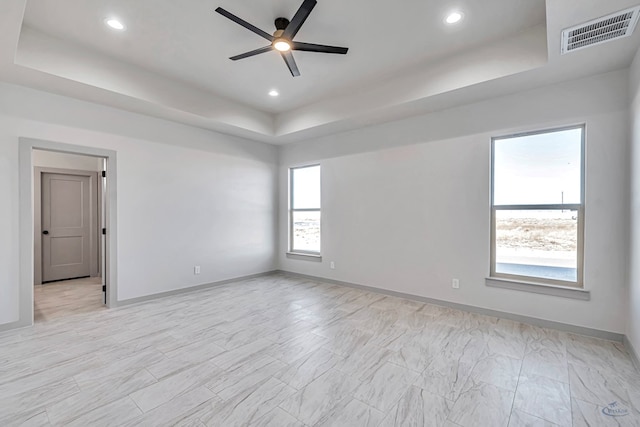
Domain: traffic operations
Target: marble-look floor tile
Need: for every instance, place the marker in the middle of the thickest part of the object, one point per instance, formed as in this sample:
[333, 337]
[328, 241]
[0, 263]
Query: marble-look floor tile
[295, 329]
[245, 410]
[546, 363]
[242, 381]
[298, 347]
[239, 356]
[501, 371]
[482, 404]
[320, 397]
[365, 360]
[196, 352]
[389, 302]
[23, 406]
[55, 373]
[163, 391]
[522, 419]
[384, 387]
[544, 398]
[385, 337]
[276, 417]
[446, 376]
[106, 374]
[37, 420]
[306, 369]
[179, 410]
[506, 345]
[283, 351]
[541, 338]
[602, 387]
[418, 408]
[93, 395]
[244, 337]
[352, 412]
[609, 355]
[417, 354]
[347, 342]
[586, 414]
[115, 413]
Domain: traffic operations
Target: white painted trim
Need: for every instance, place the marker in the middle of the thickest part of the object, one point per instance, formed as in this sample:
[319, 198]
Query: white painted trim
[304, 257]
[574, 329]
[538, 288]
[191, 289]
[26, 206]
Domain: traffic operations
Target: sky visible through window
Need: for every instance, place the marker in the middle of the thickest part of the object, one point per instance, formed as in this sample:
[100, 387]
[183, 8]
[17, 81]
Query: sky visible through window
[306, 188]
[538, 169]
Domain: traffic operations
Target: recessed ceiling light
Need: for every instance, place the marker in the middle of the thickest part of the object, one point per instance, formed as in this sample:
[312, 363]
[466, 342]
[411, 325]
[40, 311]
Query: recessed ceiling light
[274, 93]
[115, 24]
[453, 17]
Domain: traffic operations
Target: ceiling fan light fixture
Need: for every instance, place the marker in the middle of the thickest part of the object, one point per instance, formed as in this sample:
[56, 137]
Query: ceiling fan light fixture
[453, 17]
[282, 45]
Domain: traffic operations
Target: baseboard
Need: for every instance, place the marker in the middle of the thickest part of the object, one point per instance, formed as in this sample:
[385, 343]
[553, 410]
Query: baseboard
[565, 327]
[632, 352]
[191, 289]
[13, 325]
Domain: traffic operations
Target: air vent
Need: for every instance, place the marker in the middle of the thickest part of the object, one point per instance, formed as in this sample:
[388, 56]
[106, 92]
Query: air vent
[611, 27]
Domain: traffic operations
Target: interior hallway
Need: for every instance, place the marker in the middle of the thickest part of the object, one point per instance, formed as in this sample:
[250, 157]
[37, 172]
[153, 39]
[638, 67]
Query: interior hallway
[61, 299]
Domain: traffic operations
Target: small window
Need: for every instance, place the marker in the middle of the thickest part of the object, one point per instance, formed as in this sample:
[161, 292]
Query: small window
[304, 210]
[537, 212]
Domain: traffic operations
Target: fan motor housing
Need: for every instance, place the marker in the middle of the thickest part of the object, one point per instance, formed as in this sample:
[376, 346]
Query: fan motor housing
[281, 23]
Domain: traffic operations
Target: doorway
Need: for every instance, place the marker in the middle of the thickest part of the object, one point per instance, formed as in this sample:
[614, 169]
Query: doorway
[101, 233]
[68, 218]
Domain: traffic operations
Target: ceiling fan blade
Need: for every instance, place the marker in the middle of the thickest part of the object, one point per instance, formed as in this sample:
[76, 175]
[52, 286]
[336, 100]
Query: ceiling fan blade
[310, 47]
[291, 63]
[298, 19]
[252, 53]
[245, 24]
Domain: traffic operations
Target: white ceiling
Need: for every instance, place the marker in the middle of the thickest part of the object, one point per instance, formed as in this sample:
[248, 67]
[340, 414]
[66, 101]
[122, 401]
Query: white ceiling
[172, 60]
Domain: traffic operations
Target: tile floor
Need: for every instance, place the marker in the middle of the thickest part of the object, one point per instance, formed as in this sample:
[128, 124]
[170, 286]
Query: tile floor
[68, 297]
[281, 351]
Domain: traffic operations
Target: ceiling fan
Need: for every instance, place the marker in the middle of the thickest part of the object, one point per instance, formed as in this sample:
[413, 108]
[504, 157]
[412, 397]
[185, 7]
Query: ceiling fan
[282, 38]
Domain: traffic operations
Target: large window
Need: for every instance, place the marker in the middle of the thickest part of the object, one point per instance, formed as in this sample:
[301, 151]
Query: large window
[304, 210]
[537, 209]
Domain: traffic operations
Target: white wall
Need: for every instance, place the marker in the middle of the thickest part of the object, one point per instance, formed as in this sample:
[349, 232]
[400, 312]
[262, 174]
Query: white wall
[633, 325]
[52, 159]
[406, 204]
[186, 196]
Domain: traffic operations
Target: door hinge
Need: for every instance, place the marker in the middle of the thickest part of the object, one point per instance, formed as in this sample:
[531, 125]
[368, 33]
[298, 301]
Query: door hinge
[104, 231]
[104, 288]
[104, 174]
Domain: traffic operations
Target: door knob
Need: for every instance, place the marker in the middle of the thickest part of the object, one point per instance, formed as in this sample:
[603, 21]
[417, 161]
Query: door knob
[45, 232]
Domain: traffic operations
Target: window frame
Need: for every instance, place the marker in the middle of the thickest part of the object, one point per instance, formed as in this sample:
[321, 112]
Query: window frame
[292, 211]
[579, 207]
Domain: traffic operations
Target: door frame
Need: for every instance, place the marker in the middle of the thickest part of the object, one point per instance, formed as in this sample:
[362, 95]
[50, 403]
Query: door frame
[94, 197]
[26, 221]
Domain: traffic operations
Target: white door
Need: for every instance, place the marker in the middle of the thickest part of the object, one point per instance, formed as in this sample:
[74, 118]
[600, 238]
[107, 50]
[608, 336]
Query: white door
[66, 227]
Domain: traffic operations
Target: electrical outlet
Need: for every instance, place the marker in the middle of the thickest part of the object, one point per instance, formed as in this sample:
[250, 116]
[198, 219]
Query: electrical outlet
[455, 284]
[333, 265]
[196, 269]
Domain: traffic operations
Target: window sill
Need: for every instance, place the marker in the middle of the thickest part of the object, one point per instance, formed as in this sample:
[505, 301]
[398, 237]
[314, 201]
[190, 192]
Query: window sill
[538, 288]
[304, 256]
